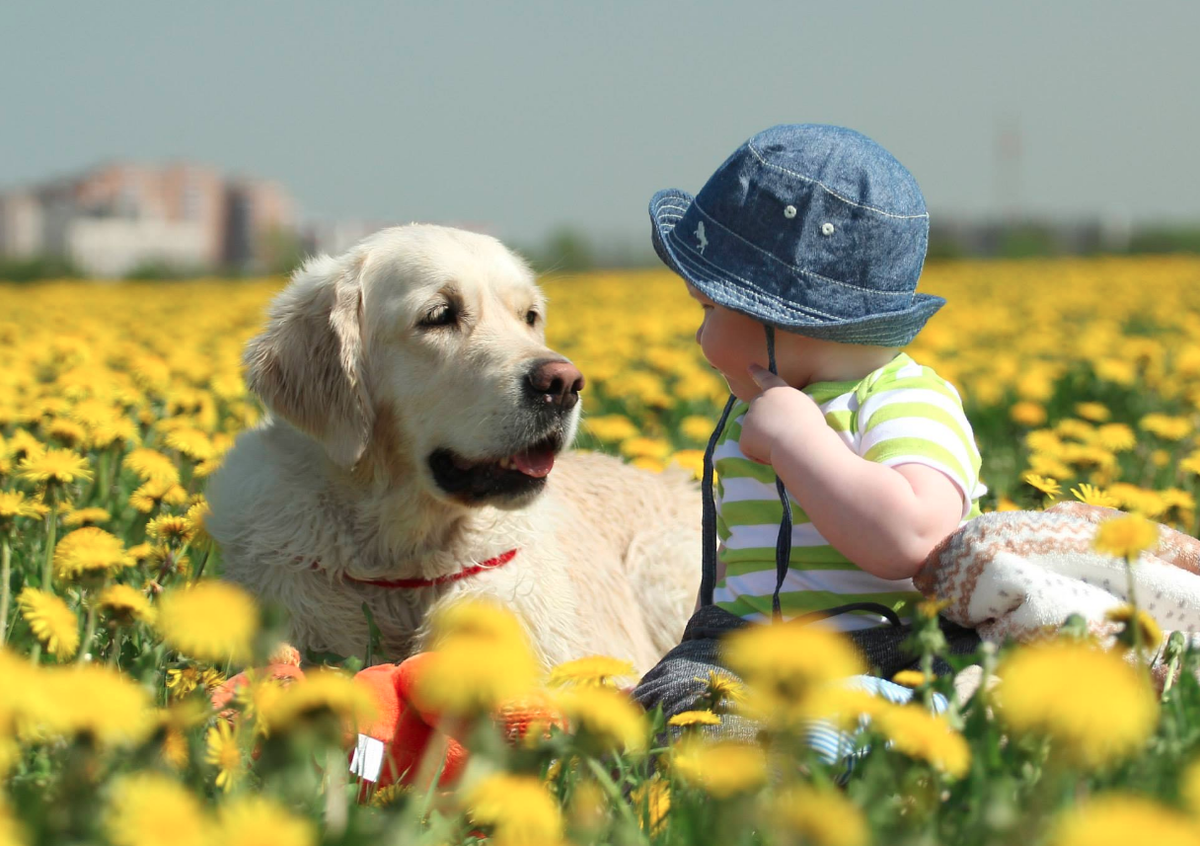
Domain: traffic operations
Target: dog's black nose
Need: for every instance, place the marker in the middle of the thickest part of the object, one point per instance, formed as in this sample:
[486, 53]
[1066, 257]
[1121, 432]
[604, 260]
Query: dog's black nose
[554, 382]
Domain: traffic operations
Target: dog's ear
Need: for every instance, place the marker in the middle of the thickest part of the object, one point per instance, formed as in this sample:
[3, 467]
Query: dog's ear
[308, 366]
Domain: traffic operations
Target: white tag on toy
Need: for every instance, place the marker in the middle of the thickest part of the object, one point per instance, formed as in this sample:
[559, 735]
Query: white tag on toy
[367, 760]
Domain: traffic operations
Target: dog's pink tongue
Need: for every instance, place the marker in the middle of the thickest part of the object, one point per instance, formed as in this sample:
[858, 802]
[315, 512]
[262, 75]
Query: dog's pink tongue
[535, 463]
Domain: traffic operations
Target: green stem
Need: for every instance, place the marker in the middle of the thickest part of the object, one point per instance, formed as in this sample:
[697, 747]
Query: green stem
[51, 537]
[114, 646]
[1134, 621]
[5, 577]
[88, 633]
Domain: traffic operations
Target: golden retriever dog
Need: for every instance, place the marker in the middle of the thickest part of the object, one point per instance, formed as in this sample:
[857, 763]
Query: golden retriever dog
[416, 451]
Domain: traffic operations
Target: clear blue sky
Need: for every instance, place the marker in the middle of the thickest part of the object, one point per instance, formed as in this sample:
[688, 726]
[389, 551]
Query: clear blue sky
[522, 116]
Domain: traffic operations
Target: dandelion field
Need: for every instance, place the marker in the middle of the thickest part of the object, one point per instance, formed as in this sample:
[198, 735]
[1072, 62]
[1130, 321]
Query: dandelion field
[1081, 378]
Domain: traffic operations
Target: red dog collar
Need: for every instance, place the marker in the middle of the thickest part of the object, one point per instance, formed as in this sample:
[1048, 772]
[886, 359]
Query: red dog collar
[490, 564]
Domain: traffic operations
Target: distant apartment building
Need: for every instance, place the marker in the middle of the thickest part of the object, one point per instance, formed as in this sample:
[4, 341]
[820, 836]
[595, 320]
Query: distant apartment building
[117, 217]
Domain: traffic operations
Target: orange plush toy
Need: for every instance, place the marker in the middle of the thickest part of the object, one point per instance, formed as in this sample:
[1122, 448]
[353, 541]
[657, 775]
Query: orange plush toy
[391, 748]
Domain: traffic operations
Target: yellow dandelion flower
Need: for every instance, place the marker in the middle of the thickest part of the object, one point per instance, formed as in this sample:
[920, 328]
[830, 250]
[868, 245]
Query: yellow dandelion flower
[1094, 706]
[210, 621]
[820, 817]
[697, 428]
[251, 820]
[1166, 427]
[90, 551]
[1126, 537]
[1117, 437]
[919, 734]
[1048, 486]
[319, 692]
[51, 621]
[652, 801]
[126, 605]
[198, 515]
[191, 442]
[14, 505]
[152, 466]
[645, 462]
[148, 809]
[1091, 495]
[783, 662]
[67, 432]
[611, 428]
[257, 700]
[223, 751]
[98, 701]
[85, 516]
[54, 466]
[153, 494]
[386, 796]
[1006, 504]
[170, 529]
[691, 460]
[721, 769]
[1097, 412]
[639, 447]
[931, 608]
[911, 678]
[1151, 634]
[182, 680]
[695, 718]
[608, 718]
[519, 809]
[467, 678]
[1027, 413]
[1116, 820]
[722, 691]
[594, 669]
[175, 751]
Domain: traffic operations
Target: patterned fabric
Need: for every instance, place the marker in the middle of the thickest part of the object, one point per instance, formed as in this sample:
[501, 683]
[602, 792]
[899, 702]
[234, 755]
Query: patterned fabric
[1015, 575]
[902, 413]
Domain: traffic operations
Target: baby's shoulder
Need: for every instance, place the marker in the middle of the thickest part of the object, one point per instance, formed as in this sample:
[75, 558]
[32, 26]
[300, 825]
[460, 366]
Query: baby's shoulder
[914, 378]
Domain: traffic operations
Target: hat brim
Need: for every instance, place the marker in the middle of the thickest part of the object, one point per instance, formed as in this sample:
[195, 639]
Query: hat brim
[889, 329]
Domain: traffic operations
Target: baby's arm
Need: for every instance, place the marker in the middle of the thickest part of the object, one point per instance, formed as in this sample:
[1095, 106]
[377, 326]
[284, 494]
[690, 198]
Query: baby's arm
[886, 519]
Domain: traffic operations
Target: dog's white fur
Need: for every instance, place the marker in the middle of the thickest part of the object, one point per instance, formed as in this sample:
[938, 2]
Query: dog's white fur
[359, 395]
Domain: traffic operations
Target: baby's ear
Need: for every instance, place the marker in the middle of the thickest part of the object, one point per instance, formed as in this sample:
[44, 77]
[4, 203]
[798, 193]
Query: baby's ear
[308, 366]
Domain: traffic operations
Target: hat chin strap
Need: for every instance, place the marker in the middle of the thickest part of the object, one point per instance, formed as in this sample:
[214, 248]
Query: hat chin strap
[783, 543]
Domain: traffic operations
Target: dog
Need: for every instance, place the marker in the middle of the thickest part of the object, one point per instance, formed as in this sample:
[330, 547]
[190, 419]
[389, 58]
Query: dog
[416, 450]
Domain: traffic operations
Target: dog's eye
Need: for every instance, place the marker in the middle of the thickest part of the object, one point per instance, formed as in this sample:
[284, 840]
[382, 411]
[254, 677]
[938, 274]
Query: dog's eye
[442, 315]
[531, 317]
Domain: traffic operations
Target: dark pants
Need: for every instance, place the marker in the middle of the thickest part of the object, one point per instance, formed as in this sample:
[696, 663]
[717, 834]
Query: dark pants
[677, 681]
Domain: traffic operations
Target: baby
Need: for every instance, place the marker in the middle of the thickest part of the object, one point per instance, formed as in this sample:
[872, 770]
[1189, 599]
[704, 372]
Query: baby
[841, 461]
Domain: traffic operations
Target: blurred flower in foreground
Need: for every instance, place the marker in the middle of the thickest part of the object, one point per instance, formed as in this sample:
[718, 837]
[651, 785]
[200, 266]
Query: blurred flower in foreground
[783, 662]
[519, 809]
[1116, 820]
[149, 810]
[821, 817]
[481, 657]
[721, 769]
[1094, 706]
[606, 718]
[210, 621]
[594, 669]
[250, 820]
[1126, 537]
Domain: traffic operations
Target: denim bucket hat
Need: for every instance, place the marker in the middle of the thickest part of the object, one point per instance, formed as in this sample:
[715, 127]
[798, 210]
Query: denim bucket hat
[809, 228]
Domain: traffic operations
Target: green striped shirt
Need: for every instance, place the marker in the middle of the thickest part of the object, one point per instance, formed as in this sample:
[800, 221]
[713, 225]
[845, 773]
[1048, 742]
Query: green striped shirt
[902, 413]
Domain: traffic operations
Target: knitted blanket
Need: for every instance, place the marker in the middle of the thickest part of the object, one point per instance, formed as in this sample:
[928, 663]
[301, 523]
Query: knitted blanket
[1020, 574]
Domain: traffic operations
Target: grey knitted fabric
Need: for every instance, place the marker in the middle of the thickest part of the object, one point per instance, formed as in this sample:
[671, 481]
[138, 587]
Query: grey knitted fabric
[677, 681]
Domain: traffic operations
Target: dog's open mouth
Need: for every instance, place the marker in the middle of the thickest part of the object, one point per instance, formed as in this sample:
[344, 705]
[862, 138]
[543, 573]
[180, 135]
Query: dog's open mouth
[474, 480]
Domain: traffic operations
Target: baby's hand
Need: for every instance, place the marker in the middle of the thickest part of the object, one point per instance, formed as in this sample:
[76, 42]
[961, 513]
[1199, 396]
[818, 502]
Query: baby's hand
[775, 415]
